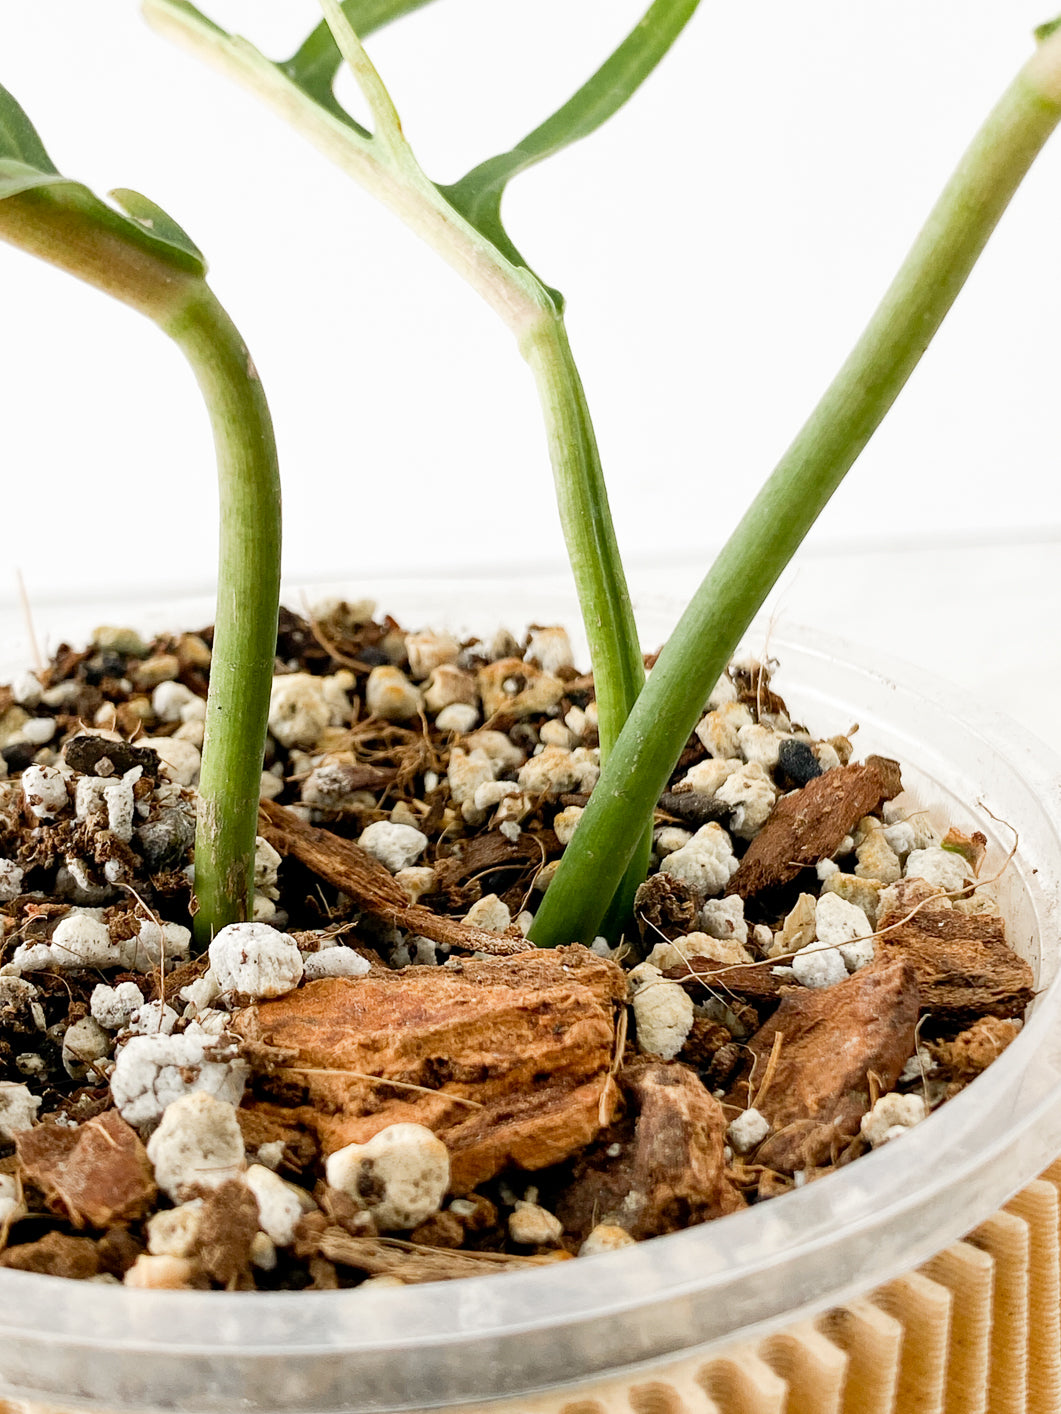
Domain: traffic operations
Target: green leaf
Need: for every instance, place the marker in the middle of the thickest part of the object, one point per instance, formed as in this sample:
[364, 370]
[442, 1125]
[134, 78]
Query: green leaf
[16, 177]
[159, 223]
[477, 196]
[18, 136]
[26, 167]
[1044, 31]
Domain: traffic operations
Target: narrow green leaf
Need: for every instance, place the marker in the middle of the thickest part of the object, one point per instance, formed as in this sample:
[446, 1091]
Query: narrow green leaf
[1044, 31]
[159, 223]
[18, 136]
[477, 196]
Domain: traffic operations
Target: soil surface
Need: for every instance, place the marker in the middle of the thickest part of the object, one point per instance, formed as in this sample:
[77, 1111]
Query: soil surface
[381, 1080]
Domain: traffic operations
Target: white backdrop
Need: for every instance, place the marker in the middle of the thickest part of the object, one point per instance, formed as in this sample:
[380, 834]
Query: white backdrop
[721, 244]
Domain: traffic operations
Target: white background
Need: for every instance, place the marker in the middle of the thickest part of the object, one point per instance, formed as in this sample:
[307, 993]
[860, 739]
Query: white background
[721, 244]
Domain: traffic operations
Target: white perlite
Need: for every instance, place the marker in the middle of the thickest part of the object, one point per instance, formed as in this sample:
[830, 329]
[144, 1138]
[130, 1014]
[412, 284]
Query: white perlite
[550, 648]
[197, 1145]
[718, 731]
[279, 1205]
[78, 940]
[112, 1007]
[255, 959]
[389, 694]
[85, 1046]
[943, 868]
[663, 1011]
[844, 926]
[334, 962]
[44, 791]
[555, 771]
[724, 918]
[892, 1116]
[428, 650]
[403, 1170]
[489, 913]
[18, 1109]
[174, 1232]
[395, 846]
[298, 710]
[181, 761]
[819, 965]
[152, 1072]
[749, 792]
[747, 1131]
[10, 880]
[459, 717]
[706, 863]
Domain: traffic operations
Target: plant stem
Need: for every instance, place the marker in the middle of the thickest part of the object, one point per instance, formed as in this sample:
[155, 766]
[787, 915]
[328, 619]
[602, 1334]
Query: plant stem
[248, 593]
[604, 599]
[582, 498]
[781, 515]
[182, 304]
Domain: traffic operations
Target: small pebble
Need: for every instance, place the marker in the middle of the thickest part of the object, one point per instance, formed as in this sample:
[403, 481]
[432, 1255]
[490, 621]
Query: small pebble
[534, 1226]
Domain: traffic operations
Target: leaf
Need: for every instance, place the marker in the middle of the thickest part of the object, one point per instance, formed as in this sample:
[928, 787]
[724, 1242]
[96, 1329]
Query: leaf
[26, 167]
[477, 195]
[18, 136]
[160, 224]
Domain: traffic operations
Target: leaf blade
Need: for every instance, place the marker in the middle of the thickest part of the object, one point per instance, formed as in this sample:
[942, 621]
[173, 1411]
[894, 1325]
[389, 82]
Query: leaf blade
[477, 195]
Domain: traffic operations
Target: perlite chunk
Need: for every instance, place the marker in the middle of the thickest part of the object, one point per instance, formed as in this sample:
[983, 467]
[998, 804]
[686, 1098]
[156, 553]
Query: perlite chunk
[663, 1012]
[706, 863]
[750, 794]
[255, 959]
[151, 1072]
[400, 1175]
[197, 1145]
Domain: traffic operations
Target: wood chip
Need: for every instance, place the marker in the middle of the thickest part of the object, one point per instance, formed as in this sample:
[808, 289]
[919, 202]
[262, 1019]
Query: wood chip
[529, 1041]
[348, 867]
[832, 1038]
[663, 1173]
[95, 1175]
[809, 824]
[964, 966]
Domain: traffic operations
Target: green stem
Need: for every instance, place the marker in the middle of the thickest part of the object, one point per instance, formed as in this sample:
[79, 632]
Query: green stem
[248, 593]
[317, 60]
[592, 549]
[183, 305]
[582, 498]
[809, 472]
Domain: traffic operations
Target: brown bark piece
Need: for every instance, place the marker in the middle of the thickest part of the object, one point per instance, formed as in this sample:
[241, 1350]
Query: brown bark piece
[527, 1041]
[831, 1039]
[492, 851]
[95, 1175]
[752, 982]
[669, 1173]
[964, 966]
[227, 1227]
[348, 867]
[975, 1049]
[55, 1255]
[809, 824]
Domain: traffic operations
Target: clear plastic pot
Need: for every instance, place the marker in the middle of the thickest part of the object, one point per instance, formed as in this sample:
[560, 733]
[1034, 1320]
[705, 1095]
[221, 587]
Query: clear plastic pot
[496, 1338]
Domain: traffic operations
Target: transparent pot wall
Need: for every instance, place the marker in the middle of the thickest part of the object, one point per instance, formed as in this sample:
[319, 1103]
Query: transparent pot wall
[493, 1337]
